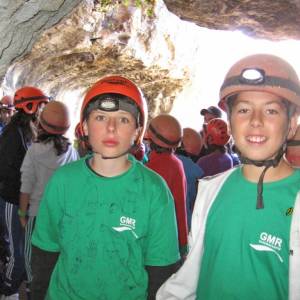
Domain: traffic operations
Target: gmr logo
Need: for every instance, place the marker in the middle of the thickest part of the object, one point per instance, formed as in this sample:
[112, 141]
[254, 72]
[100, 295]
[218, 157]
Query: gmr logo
[126, 223]
[268, 243]
[271, 240]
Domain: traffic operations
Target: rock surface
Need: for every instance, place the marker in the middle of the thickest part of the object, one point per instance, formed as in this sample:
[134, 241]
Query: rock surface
[65, 46]
[268, 19]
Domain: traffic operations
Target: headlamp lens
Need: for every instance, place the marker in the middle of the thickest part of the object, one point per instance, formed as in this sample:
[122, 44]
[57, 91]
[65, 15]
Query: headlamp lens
[252, 76]
[109, 104]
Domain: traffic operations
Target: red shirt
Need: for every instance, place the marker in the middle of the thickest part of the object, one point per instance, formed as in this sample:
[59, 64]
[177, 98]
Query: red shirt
[171, 169]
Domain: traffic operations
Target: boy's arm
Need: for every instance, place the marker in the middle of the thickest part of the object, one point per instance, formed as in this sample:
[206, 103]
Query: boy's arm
[22, 212]
[43, 263]
[157, 276]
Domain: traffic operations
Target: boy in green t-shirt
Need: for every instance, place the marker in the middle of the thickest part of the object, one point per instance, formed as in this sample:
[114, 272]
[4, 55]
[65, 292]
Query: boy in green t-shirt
[245, 225]
[106, 228]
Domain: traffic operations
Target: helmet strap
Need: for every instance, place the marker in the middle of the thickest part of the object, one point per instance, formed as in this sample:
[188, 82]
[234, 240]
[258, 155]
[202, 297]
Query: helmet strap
[159, 149]
[267, 164]
[163, 139]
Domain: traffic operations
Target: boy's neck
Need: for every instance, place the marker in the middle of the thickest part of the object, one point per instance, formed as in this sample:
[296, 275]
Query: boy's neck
[109, 167]
[252, 173]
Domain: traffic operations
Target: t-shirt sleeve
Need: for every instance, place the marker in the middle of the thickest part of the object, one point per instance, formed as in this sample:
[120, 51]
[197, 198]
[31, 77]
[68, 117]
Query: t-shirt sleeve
[162, 241]
[46, 232]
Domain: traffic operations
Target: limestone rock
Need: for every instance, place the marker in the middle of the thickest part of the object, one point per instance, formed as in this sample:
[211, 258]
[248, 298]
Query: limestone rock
[268, 19]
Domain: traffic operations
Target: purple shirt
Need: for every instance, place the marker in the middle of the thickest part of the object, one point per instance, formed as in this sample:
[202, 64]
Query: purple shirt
[215, 163]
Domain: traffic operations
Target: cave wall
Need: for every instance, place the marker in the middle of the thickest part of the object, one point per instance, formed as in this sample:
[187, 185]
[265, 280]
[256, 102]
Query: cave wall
[63, 47]
[268, 19]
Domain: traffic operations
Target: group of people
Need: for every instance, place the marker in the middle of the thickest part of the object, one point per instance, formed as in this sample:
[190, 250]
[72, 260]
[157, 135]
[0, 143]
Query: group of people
[151, 210]
[32, 147]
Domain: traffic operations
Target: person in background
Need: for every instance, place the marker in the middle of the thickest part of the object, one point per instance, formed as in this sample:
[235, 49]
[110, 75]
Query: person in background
[190, 147]
[231, 150]
[139, 152]
[192, 143]
[165, 135]
[17, 136]
[293, 150]
[208, 114]
[7, 110]
[50, 151]
[80, 142]
[106, 226]
[245, 227]
[217, 137]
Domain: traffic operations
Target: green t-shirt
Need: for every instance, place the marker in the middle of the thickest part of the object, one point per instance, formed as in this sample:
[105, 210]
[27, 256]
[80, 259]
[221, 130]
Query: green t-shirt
[106, 230]
[246, 250]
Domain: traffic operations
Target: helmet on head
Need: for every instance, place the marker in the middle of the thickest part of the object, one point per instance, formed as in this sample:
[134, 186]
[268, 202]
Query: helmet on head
[7, 103]
[55, 118]
[165, 131]
[293, 149]
[217, 132]
[261, 72]
[132, 100]
[192, 141]
[29, 98]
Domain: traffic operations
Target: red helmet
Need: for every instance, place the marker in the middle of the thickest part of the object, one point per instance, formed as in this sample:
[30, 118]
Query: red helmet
[192, 141]
[7, 103]
[261, 72]
[55, 118]
[165, 131]
[217, 132]
[293, 150]
[29, 98]
[116, 84]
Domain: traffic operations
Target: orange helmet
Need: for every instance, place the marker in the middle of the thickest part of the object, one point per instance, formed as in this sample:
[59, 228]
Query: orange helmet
[293, 150]
[165, 131]
[217, 132]
[261, 72]
[191, 140]
[119, 85]
[55, 118]
[28, 98]
[7, 103]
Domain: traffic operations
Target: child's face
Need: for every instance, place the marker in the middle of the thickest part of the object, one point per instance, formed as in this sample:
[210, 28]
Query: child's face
[5, 115]
[259, 124]
[110, 133]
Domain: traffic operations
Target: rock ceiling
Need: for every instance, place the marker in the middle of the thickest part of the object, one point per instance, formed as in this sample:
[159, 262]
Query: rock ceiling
[65, 46]
[269, 19]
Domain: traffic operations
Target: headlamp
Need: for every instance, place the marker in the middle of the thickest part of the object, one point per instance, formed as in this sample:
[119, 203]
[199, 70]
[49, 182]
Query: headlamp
[252, 76]
[113, 102]
[109, 104]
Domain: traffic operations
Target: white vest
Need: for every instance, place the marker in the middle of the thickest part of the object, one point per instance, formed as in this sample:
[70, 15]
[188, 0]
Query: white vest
[183, 284]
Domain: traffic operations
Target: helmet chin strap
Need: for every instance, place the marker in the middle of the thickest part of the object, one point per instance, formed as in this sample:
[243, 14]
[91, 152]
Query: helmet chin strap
[263, 163]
